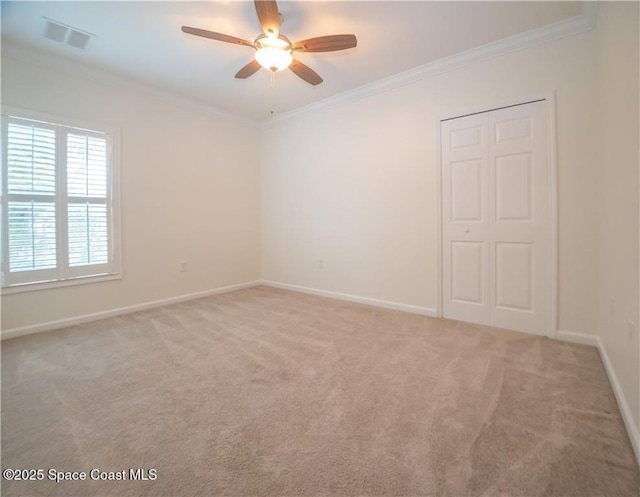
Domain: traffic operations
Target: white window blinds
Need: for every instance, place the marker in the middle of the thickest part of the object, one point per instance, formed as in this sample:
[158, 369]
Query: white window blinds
[31, 212]
[57, 202]
[87, 190]
[31, 156]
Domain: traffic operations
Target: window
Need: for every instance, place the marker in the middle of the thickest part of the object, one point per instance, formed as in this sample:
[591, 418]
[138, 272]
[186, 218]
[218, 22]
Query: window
[57, 203]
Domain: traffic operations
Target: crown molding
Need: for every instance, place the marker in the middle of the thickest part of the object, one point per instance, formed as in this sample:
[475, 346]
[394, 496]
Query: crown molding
[590, 13]
[575, 25]
[92, 73]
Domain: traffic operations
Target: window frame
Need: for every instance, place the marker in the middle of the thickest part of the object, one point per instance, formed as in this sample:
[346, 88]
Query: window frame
[64, 274]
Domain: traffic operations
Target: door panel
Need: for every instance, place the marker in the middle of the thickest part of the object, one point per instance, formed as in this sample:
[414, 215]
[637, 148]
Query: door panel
[470, 136]
[519, 230]
[495, 218]
[466, 190]
[514, 276]
[465, 209]
[466, 272]
[513, 129]
[513, 187]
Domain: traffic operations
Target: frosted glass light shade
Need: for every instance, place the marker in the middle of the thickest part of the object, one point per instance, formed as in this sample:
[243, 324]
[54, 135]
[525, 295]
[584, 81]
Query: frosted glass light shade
[273, 58]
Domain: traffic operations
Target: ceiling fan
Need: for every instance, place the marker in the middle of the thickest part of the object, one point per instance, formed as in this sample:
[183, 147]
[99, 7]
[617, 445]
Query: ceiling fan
[274, 51]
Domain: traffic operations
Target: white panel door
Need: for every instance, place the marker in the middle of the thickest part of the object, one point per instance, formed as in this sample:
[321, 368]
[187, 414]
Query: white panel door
[519, 218]
[496, 258]
[465, 210]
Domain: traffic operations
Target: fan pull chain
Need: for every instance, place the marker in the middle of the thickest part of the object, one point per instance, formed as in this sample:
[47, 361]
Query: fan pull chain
[271, 94]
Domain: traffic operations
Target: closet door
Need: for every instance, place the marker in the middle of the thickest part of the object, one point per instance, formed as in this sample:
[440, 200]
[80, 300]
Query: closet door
[465, 223]
[519, 218]
[496, 229]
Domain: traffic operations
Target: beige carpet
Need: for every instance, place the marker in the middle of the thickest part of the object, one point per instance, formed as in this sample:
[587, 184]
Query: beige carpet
[268, 392]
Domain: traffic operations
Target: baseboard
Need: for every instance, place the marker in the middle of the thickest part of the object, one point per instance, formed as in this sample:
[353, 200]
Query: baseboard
[581, 338]
[86, 318]
[414, 309]
[627, 417]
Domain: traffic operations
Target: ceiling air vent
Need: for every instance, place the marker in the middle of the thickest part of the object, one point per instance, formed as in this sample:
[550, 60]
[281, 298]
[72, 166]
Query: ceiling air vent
[78, 39]
[68, 35]
[55, 32]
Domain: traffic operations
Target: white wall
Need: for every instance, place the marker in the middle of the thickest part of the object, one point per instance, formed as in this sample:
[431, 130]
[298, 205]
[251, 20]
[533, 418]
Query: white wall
[617, 38]
[190, 191]
[355, 185]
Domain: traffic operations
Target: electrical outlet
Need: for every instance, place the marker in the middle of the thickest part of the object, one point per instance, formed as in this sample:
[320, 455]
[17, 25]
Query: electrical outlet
[184, 267]
[320, 264]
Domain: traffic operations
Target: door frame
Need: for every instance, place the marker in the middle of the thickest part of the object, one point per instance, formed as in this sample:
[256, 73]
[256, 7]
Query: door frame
[552, 172]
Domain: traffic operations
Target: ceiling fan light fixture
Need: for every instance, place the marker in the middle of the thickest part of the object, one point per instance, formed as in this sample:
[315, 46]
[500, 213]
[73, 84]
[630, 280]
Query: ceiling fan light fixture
[273, 58]
[274, 52]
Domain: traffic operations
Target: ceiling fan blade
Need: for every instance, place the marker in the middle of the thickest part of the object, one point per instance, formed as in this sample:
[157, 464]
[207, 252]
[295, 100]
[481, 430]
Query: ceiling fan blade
[248, 70]
[329, 43]
[305, 72]
[216, 36]
[268, 16]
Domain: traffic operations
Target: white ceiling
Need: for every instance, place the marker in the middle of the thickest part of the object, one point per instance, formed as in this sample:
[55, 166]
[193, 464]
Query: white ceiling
[142, 42]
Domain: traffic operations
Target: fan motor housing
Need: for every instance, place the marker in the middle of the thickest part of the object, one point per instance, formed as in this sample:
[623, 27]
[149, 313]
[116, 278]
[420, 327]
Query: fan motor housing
[265, 41]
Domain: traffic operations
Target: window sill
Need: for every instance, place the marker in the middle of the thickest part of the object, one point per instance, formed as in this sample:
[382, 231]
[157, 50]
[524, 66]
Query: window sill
[48, 285]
